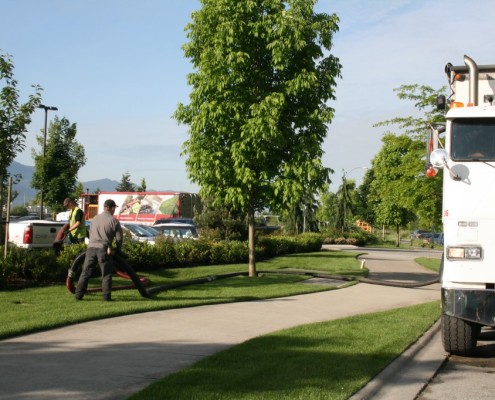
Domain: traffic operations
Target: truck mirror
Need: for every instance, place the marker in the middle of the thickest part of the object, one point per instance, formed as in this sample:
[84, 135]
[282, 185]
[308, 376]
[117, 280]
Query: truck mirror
[441, 102]
[438, 158]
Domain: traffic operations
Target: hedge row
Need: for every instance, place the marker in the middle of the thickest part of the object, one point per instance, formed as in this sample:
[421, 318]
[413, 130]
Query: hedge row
[44, 266]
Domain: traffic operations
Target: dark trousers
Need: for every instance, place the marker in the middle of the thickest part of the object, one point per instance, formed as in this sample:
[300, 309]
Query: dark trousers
[96, 256]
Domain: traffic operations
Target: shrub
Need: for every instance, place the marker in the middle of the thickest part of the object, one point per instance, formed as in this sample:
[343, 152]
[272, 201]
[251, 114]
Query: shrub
[192, 252]
[328, 240]
[69, 253]
[44, 266]
[228, 252]
[166, 252]
[141, 255]
[23, 265]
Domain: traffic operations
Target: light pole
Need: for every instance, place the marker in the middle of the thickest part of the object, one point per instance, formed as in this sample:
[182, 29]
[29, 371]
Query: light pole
[344, 193]
[46, 108]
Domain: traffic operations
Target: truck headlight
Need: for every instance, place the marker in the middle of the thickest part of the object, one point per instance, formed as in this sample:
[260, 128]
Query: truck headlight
[464, 252]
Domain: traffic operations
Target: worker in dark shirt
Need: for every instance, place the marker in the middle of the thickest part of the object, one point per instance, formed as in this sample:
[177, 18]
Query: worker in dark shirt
[103, 232]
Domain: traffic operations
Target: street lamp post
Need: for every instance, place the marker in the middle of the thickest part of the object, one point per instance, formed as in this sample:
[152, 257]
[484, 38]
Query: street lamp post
[344, 193]
[46, 108]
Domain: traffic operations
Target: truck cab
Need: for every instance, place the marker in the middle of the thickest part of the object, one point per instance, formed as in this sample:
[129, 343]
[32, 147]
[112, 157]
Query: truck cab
[465, 149]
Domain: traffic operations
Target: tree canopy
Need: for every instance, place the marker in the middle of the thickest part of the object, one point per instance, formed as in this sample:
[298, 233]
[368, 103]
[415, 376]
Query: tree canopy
[14, 116]
[390, 194]
[56, 172]
[258, 111]
[421, 195]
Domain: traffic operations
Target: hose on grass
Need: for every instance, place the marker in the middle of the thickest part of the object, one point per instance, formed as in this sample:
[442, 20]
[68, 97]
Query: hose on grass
[125, 270]
[346, 278]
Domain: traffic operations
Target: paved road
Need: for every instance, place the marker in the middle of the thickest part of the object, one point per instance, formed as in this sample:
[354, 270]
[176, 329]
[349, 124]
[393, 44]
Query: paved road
[465, 378]
[113, 358]
[427, 372]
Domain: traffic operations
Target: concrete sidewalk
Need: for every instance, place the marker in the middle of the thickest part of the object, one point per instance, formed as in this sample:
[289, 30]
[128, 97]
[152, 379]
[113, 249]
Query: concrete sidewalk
[114, 358]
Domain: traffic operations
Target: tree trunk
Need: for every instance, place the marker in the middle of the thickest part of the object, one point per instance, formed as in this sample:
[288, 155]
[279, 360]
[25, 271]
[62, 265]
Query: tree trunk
[398, 236]
[252, 257]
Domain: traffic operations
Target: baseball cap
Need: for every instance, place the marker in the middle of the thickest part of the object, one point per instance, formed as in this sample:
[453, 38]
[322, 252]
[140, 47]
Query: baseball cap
[109, 203]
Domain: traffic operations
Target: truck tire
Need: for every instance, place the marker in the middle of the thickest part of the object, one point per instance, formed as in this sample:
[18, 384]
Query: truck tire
[459, 337]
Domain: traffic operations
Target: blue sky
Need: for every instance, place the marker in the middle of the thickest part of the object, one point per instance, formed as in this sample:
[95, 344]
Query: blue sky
[116, 69]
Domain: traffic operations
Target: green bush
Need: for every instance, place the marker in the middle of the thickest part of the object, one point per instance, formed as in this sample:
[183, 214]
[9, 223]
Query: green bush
[165, 249]
[141, 255]
[23, 265]
[271, 246]
[228, 252]
[44, 266]
[67, 256]
[192, 252]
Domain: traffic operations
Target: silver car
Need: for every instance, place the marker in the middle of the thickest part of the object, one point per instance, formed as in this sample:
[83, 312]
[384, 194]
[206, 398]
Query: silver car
[177, 231]
[140, 232]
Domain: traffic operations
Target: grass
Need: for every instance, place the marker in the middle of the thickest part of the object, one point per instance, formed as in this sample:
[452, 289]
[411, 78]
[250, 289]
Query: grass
[329, 360]
[36, 309]
[430, 263]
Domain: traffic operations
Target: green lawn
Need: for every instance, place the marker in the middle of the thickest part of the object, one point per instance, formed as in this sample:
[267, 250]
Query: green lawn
[328, 360]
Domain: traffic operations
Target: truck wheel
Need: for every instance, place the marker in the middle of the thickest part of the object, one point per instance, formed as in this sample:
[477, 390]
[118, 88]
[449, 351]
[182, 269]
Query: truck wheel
[459, 337]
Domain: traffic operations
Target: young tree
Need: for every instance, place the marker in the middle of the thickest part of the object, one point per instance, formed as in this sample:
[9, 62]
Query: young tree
[14, 117]
[390, 192]
[363, 210]
[346, 196]
[142, 186]
[125, 184]
[258, 112]
[327, 213]
[78, 191]
[56, 172]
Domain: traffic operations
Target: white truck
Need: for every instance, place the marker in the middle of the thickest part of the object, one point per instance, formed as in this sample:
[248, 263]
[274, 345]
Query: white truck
[35, 234]
[464, 148]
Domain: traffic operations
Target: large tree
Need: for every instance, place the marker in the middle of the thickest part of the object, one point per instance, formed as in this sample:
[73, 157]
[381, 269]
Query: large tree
[424, 195]
[56, 172]
[258, 111]
[14, 117]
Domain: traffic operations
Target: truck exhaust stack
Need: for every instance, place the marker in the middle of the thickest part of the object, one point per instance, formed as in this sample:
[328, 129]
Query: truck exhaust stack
[473, 81]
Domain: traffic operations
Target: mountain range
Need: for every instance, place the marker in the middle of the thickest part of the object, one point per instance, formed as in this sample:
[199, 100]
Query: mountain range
[26, 192]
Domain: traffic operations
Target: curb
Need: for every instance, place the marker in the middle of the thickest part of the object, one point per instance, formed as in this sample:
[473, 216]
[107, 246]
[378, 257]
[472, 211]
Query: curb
[392, 372]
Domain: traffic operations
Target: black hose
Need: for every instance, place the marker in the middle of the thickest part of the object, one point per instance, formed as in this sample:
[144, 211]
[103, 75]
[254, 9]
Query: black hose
[121, 261]
[157, 289]
[346, 278]
[352, 278]
[399, 284]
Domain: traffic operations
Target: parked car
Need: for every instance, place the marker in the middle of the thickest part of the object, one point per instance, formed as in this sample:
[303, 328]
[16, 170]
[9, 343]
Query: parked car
[34, 234]
[419, 234]
[438, 238]
[177, 231]
[140, 232]
[174, 221]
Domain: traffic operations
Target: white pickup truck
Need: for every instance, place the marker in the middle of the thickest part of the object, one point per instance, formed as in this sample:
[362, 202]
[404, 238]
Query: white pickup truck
[34, 234]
